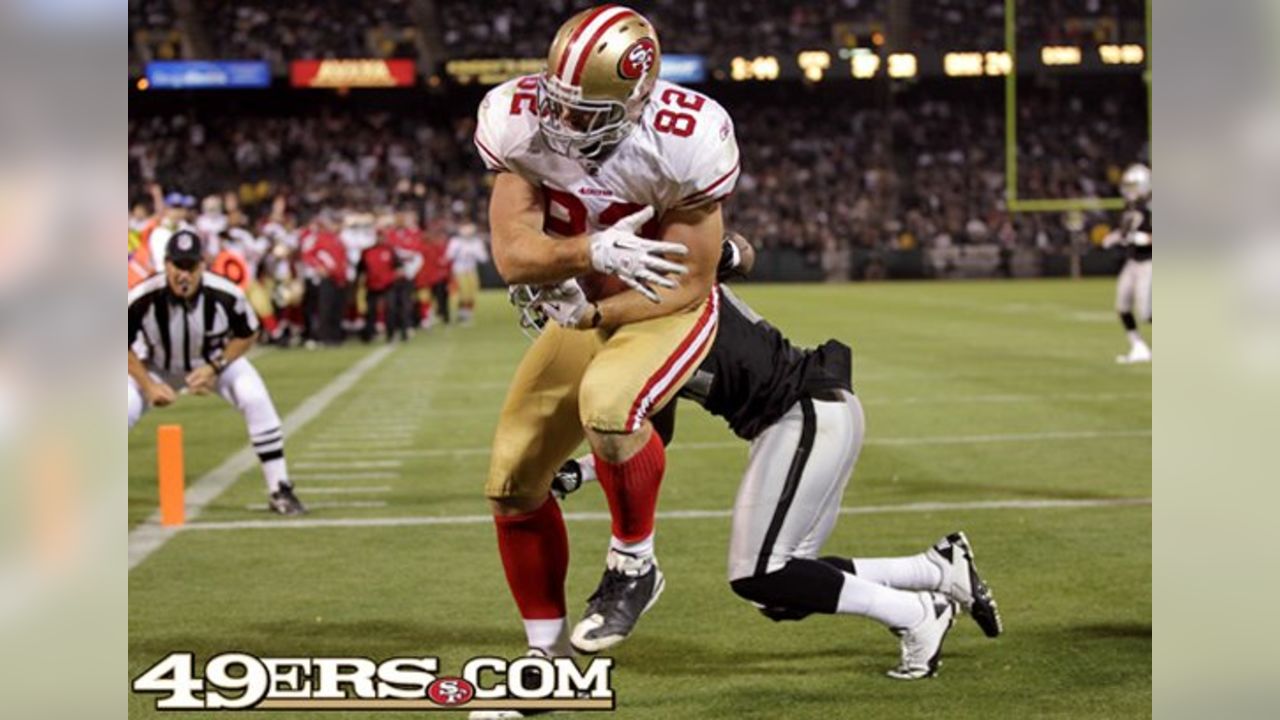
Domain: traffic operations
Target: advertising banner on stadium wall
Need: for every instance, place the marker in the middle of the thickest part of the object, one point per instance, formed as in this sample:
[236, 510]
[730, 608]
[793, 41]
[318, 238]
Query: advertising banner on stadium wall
[684, 68]
[195, 74]
[349, 73]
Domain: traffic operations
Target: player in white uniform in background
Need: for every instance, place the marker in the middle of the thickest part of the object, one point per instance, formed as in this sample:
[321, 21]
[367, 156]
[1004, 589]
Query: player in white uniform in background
[466, 251]
[1133, 289]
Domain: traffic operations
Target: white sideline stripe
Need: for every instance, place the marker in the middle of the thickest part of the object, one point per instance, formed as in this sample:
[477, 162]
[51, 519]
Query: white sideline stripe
[311, 477]
[150, 535]
[324, 505]
[725, 444]
[349, 490]
[359, 465]
[922, 507]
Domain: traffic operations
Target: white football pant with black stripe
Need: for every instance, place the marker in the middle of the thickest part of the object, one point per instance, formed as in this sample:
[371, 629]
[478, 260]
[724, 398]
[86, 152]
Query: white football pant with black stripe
[1133, 289]
[786, 509]
[242, 386]
[793, 485]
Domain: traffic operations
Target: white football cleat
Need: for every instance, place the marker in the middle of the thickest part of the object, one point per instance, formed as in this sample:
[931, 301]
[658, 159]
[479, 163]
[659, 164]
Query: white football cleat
[922, 642]
[1138, 354]
[953, 555]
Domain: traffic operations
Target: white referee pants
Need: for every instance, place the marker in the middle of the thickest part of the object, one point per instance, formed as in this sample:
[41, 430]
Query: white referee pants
[1133, 289]
[242, 386]
[794, 482]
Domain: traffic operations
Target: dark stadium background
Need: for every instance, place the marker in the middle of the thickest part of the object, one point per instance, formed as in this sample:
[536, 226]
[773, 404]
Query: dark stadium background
[843, 178]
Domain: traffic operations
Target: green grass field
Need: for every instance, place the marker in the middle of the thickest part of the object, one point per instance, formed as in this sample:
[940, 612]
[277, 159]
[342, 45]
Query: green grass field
[974, 392]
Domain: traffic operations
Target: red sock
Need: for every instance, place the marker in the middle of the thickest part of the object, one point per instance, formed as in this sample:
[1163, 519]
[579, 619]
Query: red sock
[632, 490]
[535, 555]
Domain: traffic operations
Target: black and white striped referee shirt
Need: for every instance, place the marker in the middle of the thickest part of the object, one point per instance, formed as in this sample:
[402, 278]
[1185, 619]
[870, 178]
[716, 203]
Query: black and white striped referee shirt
[181, 335]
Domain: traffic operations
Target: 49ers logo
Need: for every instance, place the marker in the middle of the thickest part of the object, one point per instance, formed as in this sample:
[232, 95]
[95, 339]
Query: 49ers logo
[637, 60]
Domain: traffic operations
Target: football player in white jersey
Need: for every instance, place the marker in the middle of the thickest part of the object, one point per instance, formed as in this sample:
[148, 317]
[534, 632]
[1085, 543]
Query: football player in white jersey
[593, 156]
[1133, 288]
[465, 252]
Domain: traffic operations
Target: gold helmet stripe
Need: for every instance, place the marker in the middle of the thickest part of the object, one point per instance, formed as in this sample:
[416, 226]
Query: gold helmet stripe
[594, 28]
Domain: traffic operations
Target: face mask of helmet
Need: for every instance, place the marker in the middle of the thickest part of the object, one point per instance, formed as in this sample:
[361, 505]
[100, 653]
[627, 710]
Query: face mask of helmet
[576, 128]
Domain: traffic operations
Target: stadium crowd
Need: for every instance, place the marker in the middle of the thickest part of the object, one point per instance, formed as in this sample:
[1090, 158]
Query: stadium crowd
[281, 30]
[825, 171]
[820, 174]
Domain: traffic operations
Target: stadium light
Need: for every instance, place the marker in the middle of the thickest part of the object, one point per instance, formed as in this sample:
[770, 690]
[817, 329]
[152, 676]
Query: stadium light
[1122, 54]
[902, 65]
[864, 64]
[998, 63]
[814, 63]
[1060, 55]
[962, 64]
[759, 68]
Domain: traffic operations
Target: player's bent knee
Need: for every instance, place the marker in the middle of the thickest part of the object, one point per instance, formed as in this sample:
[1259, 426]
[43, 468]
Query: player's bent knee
[801, 585]
[617, 447]
[515, 505]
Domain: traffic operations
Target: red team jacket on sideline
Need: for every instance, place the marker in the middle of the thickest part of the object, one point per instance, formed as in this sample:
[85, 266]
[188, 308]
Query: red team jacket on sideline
[379, 265]
[435, 269]
[410, 240]
[324, 252]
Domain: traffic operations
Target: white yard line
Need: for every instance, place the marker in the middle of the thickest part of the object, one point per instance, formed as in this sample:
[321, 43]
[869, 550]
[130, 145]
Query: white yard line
[726, 444]
[331, 505]
[150, 536]
[354, 465]
[923, 507]
[397, 432]
[880, 401]
[315, 477]
[1011, 398]
[360, 443]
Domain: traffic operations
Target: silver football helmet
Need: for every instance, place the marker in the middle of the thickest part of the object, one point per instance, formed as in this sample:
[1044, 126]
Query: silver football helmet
[1135, 184]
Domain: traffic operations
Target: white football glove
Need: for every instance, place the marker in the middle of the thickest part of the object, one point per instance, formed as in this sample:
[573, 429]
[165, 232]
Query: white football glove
[565, 303]
[636, 261]
[532, 316]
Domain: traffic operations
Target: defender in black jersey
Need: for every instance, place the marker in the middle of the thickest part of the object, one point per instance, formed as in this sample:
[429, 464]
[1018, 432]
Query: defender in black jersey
[797, 408]
[1133, 288]
[190, 329]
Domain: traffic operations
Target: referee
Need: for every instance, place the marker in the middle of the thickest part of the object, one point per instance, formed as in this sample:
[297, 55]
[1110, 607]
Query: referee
[193, 329]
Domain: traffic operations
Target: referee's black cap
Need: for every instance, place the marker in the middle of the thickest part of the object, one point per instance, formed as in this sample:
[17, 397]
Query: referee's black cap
[184, 249]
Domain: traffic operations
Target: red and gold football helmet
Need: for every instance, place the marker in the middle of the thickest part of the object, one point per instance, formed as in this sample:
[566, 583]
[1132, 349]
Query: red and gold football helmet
[601, 69]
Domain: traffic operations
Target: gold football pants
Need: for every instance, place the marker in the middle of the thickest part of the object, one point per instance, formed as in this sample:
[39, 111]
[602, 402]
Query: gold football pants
[609, 382]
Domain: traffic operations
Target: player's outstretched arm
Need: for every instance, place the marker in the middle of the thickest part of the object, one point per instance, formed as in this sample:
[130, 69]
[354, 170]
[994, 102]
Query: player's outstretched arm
[700, 230]
[522, 252]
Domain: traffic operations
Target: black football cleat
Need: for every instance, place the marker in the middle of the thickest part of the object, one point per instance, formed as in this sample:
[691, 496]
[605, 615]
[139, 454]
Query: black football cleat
[628, 588]
[284, 502]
